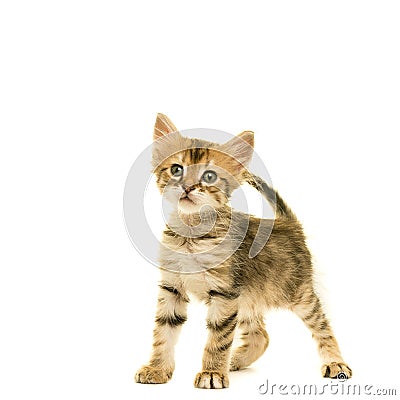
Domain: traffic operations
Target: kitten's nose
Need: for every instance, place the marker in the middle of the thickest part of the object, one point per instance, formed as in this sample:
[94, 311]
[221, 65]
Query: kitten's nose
[187, 188]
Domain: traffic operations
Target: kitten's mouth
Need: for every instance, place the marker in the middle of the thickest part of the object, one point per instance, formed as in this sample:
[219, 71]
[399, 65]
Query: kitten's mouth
[186, 198]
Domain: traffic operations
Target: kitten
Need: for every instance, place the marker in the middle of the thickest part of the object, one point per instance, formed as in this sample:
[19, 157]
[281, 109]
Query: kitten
[199, 177]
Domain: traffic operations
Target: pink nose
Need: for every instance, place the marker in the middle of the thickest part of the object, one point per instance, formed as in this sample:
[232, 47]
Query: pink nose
[188, 189]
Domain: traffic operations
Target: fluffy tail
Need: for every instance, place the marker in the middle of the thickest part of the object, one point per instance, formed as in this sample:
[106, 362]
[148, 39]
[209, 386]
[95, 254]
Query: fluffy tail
[271, 195]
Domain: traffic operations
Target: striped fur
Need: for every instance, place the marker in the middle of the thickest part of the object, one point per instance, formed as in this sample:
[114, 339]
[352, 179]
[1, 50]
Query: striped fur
[238, 290]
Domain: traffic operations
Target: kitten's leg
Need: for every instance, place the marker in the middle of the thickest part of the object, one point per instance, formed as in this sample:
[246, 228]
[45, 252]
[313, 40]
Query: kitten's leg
[309, 309]
[171, 314]
[255, 341]
[221, 324]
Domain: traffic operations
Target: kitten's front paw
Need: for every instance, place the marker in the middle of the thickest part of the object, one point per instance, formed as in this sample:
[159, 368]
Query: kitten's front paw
[148, 374]
[336, 370]
[211, 380]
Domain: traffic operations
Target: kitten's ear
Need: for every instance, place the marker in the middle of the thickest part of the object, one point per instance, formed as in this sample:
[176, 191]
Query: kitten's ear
[241, 147]
[163, 126]
[248, 137]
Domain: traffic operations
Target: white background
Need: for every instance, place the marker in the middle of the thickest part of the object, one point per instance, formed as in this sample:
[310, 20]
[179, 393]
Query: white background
[80, 85]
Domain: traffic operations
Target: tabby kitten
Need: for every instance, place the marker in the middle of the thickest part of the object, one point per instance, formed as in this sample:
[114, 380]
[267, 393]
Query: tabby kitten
[198, 177]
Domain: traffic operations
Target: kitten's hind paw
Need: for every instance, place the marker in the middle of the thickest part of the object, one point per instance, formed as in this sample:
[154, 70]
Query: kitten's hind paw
[336, 370]
[236, 364]
[148, 374]
[211, 380]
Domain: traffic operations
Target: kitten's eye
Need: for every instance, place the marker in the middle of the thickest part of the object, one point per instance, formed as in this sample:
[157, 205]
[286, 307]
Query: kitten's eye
[209, 177]
[177, 170]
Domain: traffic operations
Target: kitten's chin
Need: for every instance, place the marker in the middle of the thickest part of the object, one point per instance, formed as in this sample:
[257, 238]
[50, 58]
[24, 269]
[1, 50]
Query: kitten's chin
[188, 206]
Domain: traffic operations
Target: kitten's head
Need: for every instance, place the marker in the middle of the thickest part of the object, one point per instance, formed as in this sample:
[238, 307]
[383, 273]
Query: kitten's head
[194, 173]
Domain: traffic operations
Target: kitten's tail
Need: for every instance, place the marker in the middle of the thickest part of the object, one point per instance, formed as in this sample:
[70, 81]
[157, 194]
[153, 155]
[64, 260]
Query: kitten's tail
[271, 195]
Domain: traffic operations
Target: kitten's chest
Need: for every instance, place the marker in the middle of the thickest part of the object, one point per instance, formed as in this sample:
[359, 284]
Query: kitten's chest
[187, 255]
[197, 285]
